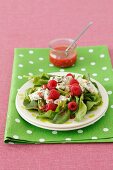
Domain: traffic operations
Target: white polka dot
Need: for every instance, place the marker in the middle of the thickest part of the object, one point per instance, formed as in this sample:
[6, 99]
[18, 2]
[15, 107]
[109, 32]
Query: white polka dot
[41, 70]
[105, 129]
[10, 142]
[90, 50]
[20, 65]
[81, 58]
[104, 68]
[31, 62]
[61, 70]
[102, 55]
[17, 120]
[30, 74]
[29, 132]
[21, 55]
[106, 79]
[41, 140]
[41, 58]
[54, 132]
[112, 106]
[51, 65]
[80, 131]
[94, 137]
[20, 77]
[68, 139]
[31, 51]
[73, 65]
[109, 92]
[15, 136]
[83, 69]
[94, 74]
[92, 63]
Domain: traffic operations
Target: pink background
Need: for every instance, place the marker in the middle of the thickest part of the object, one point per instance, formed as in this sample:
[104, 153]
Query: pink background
[33, 23]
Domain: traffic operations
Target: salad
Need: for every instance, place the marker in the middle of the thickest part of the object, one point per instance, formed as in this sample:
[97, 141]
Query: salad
[60, 98]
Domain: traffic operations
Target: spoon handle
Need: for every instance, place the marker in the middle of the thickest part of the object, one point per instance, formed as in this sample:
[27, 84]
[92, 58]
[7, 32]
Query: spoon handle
[81, 33]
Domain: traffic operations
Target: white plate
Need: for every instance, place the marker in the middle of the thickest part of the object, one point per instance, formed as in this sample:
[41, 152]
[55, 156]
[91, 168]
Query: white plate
[90, 118]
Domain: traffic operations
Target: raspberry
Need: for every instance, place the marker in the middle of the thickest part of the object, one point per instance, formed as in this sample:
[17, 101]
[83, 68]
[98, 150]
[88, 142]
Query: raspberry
[69, 74]
[52, 84]
[73, 81]
[72, 106]
[75, 90]
[54, 94]
[51, 106]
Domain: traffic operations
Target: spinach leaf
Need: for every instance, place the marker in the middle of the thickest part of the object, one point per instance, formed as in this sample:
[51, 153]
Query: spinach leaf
[41, 79]
[39, 82]
[32, 105]
[45, 76]
[62, 113]
[87, 77]
[81, 110]
[92, 100]
[29, 91]
[97, 101]
[62, 92]
[77, 99]
[61, 106]
[41, 103]
[61, 117]
[27, 99]
[49, 114]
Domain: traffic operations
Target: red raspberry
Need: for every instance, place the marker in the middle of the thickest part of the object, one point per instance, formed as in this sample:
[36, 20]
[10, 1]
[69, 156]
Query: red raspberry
[69, 74]
[52, 84]
[51, 106]
[72, 106]
[75, 90]
[73, 81]
[54, 94]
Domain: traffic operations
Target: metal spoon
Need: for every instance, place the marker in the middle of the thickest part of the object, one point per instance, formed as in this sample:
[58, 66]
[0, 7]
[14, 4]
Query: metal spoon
[78, 37]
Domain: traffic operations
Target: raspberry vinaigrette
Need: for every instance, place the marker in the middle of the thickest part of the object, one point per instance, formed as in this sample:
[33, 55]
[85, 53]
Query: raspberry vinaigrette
[58, 56]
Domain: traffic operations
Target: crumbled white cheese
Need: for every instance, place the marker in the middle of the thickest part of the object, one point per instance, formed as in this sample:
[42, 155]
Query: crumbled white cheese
[34, 96]
[87, 85]
[67, 79]
[57, 78]
[61, 98]
[61, 86]
[46, 93]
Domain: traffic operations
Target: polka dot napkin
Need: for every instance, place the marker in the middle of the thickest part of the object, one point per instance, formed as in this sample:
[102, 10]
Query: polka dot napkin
[94, 60]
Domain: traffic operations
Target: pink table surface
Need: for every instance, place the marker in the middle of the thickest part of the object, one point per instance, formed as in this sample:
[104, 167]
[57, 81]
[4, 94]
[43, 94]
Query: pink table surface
[27, 23]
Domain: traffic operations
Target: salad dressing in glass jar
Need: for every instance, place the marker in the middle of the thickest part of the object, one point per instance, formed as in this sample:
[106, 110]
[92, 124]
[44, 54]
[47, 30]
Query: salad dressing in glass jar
[58, 55]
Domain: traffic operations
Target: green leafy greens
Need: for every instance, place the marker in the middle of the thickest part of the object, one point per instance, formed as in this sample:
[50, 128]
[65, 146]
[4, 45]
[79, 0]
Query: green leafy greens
[86, 101]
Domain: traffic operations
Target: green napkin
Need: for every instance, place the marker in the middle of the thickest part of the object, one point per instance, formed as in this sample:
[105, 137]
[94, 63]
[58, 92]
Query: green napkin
[94, 60]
